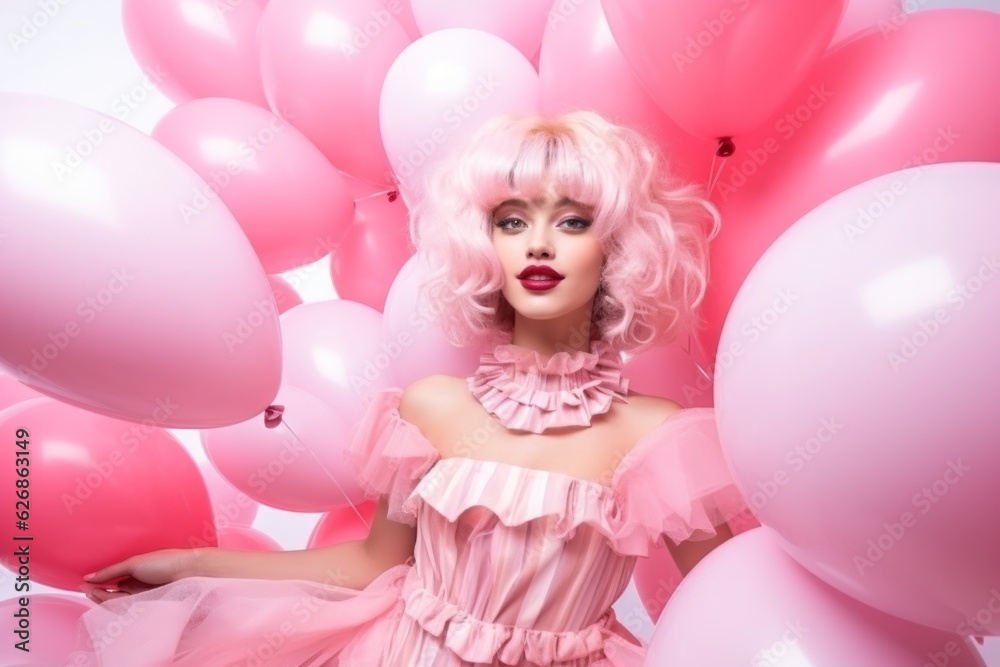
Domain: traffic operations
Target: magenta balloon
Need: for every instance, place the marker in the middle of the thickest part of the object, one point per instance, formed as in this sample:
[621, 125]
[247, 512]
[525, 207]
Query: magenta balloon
[230, 505]
[874, 105]
[342, 524]
[285, 194]
[748, 603]
[99, 490]
[720, 68]
[50, 635]
[246, 538]
[412, 329]
[334, 350]
[126, 304]
[877, 463]
[323, 63]
[297, 465]
[518, 22]
[197, 48]
[441, 89]
[366, 261]
[581, 66]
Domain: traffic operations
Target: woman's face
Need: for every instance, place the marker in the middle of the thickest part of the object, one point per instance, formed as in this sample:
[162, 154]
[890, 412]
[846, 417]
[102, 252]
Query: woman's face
[550, 231]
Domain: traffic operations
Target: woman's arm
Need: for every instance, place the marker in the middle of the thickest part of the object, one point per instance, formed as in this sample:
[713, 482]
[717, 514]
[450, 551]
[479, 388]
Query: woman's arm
[687, 554]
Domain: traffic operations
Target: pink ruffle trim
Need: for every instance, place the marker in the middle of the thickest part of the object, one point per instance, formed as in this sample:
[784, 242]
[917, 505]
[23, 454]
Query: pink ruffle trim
[530, 393]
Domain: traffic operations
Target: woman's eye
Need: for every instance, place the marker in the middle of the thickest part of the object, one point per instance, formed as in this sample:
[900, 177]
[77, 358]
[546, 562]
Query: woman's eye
[580, 223]
[503, 223]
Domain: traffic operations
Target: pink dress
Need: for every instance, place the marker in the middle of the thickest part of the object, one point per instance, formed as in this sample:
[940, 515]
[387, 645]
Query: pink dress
[512, 566]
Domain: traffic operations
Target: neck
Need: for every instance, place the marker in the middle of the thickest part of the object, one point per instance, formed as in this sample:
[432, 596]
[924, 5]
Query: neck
[550, 336]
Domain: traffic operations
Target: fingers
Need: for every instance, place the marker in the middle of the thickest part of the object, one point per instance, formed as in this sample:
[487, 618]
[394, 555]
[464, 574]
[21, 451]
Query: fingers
[100, 596]
[111, 571]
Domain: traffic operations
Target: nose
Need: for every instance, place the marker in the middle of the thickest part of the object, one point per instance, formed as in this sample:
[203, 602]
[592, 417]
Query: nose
[539, 242]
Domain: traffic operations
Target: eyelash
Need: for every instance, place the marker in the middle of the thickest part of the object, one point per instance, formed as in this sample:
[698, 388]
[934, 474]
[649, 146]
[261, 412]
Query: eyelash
[501, 225]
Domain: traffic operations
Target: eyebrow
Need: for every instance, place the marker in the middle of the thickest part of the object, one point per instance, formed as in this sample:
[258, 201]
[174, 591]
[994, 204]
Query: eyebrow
[565, 201]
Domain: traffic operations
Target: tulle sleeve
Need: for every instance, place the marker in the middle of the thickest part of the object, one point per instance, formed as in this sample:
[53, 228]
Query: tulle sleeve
[675, 481]
[388, 454]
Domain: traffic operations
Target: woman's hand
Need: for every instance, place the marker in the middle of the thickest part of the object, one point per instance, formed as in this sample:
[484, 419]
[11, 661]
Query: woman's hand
[140, 573]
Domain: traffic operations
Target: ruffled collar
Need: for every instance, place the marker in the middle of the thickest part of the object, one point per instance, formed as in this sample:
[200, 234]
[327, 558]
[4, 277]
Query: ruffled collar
[529, 392]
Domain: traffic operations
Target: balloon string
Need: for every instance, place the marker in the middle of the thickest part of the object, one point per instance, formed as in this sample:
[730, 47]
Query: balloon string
[713, 174]
[697, 365]
[327, 471]
[375, 194]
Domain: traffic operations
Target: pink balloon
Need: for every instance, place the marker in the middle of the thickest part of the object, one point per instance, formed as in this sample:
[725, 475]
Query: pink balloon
[403, 12]
[247, 539]
[748, 603]
[861, 15]
[285, 296]
[412, 329]
[672, 371]
[440, 89]
[886, 104]
[98, 491]
[581, 66]
[282, 190]
[122, 306]
[367, 259]
[342, 524]
[323, 63]
[720, 68]
[231, 506]
[334, 350]
[298, 465]
[12, 391]
[878, 481]
[197, 48]
[51, 631]
[518, 22]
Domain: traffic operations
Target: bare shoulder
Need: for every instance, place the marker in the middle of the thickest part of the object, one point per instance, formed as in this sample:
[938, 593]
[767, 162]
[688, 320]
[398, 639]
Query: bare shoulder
[647, 412]
[425, 400]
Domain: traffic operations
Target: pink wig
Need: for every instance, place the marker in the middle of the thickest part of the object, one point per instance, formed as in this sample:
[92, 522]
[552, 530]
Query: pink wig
[652, 227]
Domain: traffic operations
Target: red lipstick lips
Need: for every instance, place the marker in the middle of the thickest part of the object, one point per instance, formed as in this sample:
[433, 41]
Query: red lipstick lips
[539, 278]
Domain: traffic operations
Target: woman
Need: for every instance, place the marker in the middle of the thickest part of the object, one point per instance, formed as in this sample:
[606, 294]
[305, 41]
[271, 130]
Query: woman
[535, 483]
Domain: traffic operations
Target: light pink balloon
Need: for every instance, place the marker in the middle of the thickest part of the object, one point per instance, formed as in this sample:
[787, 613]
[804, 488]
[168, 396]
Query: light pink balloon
[748, 603]
[282, 190]
[100, 490]
[412, 329]
[12, 391]
[672, 371]
[872, 106]
[285, 296]
[123, 305]
[50, 631]
[366, 261]
[581, 66]
[874, 453]
[247, 539]
[197, 48]
[342, 524]
[440, 89]
[861, 15]
[518, 22]
[334, 350]
[230, 505]
[297, 465]
[323, 63]
[720, 68]
[403, 12]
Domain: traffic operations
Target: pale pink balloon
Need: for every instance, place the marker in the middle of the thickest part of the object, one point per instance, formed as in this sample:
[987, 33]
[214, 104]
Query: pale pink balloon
[50, 628]
[246, 538]
[440, 89]
[231, 506]
[285, 296]
[672, 371]
[197, 48]
[720, 68]
[285, 194]
[861, 15]
[323, 63]
[298, 464]
[748, 603]
[342, 524]
[12, 391]
[403, 12]
[874, 453]
[334, 350]
[100, 490]
[518, 22]
[412, 329]
[125, 305]
[872, 106]
[581, 66]
[366, 261]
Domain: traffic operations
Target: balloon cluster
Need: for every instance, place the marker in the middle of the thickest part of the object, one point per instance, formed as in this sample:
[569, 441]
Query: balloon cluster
[143, 288]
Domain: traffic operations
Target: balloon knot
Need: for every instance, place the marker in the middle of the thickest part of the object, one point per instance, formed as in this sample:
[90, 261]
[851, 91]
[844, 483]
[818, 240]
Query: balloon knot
[272, 415]
[393, 195]
[726, 147]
